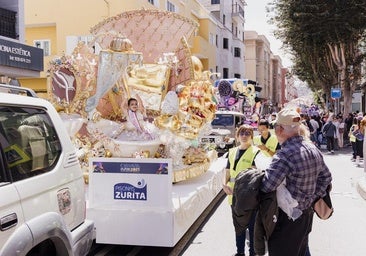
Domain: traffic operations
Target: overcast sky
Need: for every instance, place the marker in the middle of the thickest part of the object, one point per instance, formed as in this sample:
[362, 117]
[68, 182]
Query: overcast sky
[255, 19]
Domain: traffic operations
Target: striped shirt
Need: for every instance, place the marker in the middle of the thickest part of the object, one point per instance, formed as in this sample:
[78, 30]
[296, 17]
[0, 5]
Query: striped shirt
[303, 167]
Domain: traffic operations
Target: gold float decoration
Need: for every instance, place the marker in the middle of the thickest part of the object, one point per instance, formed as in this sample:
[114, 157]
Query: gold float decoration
[154, 34]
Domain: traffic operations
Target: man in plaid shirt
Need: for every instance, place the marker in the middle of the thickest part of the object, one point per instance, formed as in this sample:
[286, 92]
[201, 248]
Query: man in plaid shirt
[301, 165]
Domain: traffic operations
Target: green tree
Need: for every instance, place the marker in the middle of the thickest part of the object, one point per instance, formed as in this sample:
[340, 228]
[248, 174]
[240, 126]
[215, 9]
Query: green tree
[325, 37]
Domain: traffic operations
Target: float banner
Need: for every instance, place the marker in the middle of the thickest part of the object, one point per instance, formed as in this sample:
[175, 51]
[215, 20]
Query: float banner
[130, 182]
[20, 55]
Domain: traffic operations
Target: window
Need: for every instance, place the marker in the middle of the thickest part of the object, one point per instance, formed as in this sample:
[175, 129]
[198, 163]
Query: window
[154, 2]
[225, 43]
[225, 73]
[211, 39]
[28, 140]
[170, 7]
[237, 52]
[215, 1]
[72, 43]
[237, 75]
[223, 19]
[45, 45]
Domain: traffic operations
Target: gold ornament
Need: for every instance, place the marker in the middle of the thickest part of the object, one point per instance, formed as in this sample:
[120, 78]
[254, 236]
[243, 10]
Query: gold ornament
[108, 153]
[121, 44]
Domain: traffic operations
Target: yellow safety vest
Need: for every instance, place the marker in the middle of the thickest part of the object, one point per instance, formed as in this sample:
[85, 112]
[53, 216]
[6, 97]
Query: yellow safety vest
[271, 143]
[243, 164]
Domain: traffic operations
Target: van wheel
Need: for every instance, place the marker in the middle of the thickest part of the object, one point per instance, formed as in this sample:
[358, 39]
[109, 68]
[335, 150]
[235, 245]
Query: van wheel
[42, 249]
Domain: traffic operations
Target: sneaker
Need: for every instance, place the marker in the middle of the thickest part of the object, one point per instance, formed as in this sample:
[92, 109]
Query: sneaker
[332, 151]
[353, 159]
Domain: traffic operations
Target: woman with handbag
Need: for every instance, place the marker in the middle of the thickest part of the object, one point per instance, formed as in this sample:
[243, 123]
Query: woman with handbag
[359, 136]
[352, 138]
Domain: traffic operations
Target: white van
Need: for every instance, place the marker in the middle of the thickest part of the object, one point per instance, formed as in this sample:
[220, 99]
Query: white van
[42, 197]
[223, 130]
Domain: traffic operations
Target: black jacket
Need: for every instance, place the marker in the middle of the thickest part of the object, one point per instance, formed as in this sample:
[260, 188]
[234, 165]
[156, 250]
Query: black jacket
[247, 200]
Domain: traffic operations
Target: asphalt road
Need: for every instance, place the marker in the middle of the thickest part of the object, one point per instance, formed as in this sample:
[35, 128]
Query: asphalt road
[344, 234]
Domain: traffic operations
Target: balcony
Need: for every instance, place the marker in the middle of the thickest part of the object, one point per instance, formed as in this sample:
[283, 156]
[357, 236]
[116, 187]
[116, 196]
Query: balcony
[237, 13]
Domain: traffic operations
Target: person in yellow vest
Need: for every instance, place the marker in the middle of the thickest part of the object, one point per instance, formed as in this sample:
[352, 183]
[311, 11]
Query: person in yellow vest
[266, 141]
[241, 158]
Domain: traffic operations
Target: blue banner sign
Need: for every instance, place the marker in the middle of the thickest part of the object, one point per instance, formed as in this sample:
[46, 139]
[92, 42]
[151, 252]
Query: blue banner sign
[336, 93]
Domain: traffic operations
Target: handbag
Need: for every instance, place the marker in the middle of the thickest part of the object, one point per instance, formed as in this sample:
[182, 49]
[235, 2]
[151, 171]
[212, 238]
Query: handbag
[323, 206]
[358, 135]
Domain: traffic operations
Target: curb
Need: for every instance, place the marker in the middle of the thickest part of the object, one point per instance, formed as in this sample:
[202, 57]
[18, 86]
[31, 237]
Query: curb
[361, 187]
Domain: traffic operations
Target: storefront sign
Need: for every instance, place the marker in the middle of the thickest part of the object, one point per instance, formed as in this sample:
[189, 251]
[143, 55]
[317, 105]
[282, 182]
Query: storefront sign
[130, 182]
[20, 55]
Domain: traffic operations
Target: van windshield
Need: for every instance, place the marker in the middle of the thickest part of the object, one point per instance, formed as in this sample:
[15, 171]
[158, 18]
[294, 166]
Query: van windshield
[223, 120]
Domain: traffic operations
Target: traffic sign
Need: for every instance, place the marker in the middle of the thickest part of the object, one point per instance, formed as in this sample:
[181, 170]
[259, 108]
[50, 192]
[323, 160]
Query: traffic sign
[336, 93]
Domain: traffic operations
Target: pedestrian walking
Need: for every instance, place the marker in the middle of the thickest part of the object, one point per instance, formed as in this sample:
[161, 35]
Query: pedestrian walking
[314, 131]
[329, 131]
[301, 165]
[352, 138]
[359, 136]
[341, 130]
[241, 158]
[336, 138]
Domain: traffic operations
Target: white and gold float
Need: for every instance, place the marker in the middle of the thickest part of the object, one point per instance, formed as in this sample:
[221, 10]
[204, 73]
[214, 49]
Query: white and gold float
[138, 59]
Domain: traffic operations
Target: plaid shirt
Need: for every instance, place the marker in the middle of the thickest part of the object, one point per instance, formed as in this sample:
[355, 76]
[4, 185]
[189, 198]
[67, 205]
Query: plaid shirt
[303, 167]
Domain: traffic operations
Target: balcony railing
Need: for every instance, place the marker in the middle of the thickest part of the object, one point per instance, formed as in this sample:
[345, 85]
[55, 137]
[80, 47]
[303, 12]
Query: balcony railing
[237, 11]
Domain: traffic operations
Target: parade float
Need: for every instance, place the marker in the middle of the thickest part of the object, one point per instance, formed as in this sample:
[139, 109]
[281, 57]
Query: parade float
[143, 166]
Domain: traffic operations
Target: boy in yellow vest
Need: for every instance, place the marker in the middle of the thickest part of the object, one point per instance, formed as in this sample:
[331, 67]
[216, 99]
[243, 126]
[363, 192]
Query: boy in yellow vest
[266, 141]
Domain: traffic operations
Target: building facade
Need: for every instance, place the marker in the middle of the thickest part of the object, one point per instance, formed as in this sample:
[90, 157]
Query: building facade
[221, 43]
[51, 25]
[229, 37]
[16, 58]
[267, 69]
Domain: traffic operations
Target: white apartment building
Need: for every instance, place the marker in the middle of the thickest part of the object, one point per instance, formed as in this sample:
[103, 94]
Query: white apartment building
[229, 38]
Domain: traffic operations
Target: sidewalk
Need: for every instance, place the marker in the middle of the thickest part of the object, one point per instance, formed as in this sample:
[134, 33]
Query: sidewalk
[361, 182]
[217, 237]
[361, 187]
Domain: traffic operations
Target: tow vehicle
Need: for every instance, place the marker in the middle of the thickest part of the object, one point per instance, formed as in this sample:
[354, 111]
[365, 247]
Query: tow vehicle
[42, 202]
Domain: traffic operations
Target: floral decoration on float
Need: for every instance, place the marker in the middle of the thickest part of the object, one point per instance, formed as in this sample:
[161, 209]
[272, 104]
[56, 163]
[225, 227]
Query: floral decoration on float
[130, 99]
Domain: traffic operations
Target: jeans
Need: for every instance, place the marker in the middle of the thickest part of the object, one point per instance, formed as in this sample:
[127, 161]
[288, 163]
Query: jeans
[240, 238]
[330, 143]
